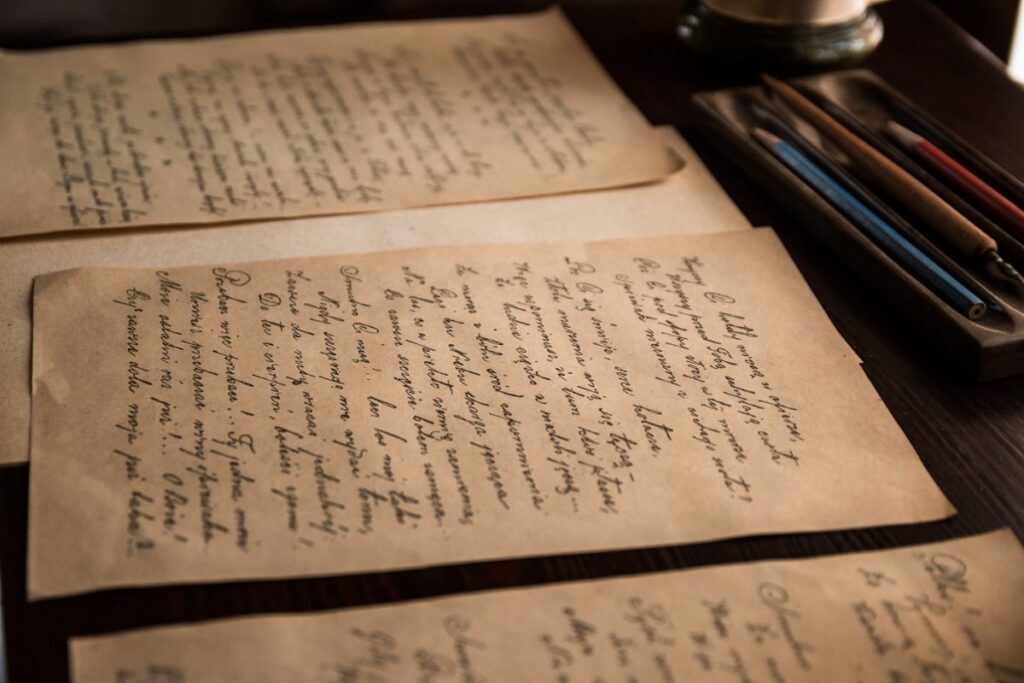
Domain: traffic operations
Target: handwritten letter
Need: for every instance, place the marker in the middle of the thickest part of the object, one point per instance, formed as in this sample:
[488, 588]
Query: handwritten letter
[688, 201]
[948, 611]
[365, 412]
[292, 123]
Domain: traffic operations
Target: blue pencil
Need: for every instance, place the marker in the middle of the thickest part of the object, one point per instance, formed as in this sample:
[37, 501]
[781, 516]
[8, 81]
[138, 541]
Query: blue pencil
[886, 236]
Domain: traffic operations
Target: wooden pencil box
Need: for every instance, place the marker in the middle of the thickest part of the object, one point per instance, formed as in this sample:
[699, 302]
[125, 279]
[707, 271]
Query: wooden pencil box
[988, 348]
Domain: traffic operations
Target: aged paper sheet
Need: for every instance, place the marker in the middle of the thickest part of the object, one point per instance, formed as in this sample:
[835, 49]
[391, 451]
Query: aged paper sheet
[690, 200]
[942, 612]
[365, 412]
[315, 121]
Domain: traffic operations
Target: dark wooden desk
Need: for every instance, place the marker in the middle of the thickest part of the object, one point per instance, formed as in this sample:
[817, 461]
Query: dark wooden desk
[970, 437]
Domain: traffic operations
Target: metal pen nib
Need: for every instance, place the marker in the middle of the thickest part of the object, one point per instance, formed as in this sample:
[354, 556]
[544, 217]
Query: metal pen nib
[1004, 267]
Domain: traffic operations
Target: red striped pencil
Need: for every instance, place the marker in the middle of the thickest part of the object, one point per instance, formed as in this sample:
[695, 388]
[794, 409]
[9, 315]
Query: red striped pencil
[1005, 211]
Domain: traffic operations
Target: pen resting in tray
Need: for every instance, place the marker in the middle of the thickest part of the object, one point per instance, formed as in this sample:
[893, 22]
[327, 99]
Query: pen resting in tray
[985, 344]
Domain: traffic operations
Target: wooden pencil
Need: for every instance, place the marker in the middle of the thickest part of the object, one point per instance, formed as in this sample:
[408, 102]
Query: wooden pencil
[889, 239]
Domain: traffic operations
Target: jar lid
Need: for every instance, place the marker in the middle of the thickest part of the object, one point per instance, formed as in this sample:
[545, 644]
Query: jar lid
[779, 12]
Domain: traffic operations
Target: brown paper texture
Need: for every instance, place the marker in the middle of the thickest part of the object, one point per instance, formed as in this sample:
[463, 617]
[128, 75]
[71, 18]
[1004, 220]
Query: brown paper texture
[315, 121]
[373, 411]
[690, 200]
[946, 611]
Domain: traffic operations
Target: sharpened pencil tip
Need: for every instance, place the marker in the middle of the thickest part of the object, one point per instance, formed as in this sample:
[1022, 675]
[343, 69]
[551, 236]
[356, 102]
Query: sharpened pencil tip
[765, 137]
[903, 135]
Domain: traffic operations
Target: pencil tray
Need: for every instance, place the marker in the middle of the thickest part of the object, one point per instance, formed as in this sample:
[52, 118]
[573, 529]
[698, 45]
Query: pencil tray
[990, 347]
